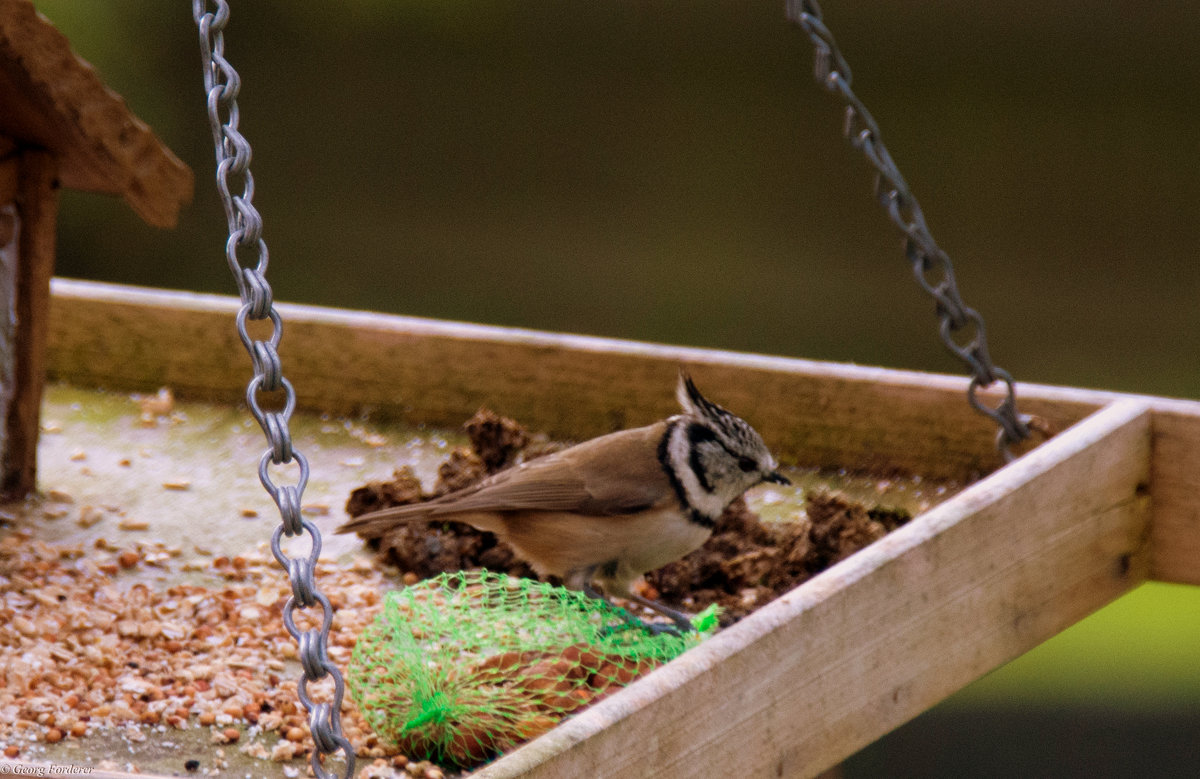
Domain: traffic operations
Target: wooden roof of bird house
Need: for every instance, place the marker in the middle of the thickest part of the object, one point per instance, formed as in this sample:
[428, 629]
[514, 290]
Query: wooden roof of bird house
[52, 99]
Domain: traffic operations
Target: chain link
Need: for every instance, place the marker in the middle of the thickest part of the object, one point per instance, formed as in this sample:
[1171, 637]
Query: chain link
[221, 84]
[962, 329]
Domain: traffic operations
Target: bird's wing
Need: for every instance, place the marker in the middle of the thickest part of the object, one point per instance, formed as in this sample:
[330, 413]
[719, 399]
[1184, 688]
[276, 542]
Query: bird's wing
[607, 476]
[614, 474]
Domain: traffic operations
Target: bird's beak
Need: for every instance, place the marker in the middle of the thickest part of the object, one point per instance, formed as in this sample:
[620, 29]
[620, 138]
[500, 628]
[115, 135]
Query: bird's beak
[777, 478]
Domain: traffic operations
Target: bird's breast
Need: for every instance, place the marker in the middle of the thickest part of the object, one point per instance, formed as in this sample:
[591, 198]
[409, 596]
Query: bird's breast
[559, 543]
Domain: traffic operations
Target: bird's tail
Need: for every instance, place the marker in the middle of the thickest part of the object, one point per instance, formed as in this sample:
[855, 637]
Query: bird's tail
[376, 523]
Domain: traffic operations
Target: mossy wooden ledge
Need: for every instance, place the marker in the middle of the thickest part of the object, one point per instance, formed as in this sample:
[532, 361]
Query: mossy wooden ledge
[1016, 557]
[439, 373]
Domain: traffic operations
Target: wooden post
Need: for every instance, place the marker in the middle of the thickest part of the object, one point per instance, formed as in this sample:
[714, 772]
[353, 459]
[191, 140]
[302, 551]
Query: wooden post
[9, 263]
[37, 205]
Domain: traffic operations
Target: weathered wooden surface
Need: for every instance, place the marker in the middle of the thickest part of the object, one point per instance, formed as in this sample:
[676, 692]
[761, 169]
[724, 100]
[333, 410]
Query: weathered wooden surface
[875, 640]
[51, 99]
[37, 205]
[1175, 488]
[573, 387]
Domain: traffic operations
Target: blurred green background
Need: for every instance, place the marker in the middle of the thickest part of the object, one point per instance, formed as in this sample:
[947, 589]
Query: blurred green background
[669, 172]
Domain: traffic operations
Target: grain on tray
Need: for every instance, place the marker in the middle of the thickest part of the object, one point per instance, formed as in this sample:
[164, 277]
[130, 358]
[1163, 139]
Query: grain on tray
[85, 645]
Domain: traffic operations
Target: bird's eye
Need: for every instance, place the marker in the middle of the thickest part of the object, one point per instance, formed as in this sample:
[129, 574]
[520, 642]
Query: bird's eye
[747, 464]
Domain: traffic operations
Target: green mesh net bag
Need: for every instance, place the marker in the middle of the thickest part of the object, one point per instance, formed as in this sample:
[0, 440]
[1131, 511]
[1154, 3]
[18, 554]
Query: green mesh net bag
[462, 667]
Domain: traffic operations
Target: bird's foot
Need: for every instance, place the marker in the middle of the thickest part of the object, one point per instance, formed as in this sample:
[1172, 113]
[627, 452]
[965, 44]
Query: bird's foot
[653, 628]
[661, 628]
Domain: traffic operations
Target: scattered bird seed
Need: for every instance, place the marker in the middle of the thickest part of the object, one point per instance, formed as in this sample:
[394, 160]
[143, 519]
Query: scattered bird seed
[88, 516]
[146, 659]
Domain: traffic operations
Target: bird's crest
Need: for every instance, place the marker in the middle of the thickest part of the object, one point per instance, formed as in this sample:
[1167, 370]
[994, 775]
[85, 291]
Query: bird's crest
[692, 402]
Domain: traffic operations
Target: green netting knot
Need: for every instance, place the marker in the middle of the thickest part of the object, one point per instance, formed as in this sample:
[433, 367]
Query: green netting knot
[433, 709]
[464, 666]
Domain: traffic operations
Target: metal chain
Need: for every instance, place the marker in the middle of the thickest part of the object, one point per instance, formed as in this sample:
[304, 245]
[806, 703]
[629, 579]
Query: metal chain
[221, 84]
[962, 329]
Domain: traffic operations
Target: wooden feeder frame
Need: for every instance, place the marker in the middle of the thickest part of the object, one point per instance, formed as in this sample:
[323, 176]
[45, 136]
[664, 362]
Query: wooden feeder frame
[1108, 503]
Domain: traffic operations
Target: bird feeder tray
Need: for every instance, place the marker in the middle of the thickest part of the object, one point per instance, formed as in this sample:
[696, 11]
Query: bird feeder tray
[1022, 553]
